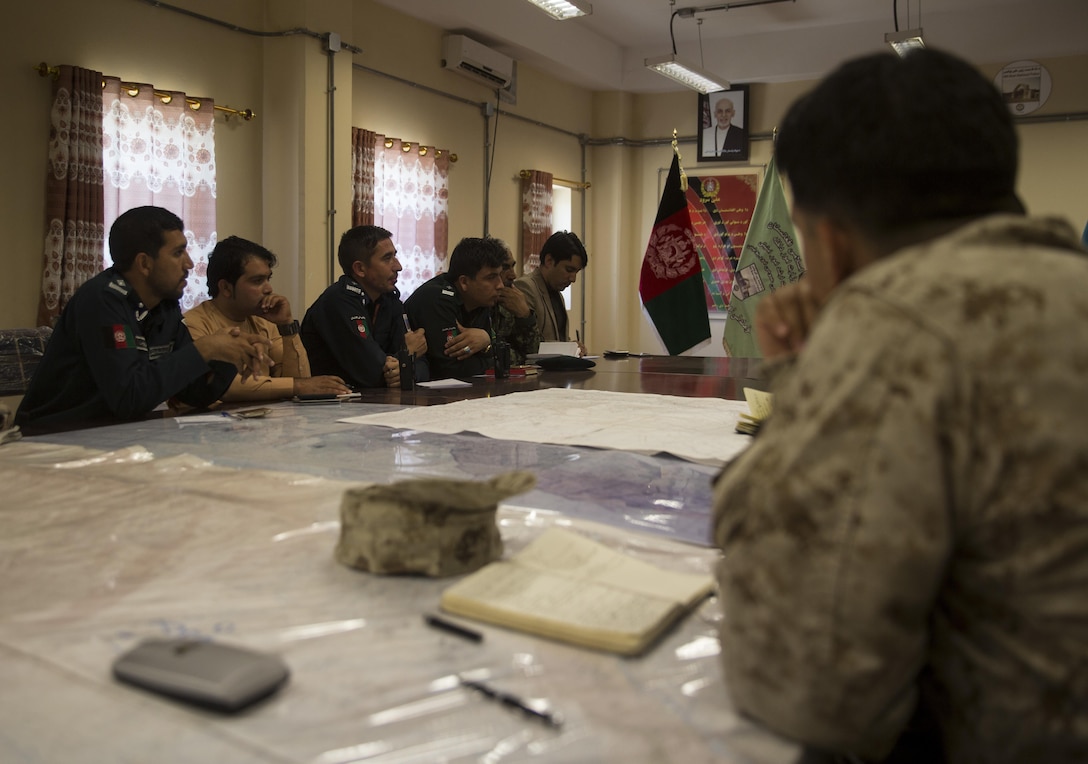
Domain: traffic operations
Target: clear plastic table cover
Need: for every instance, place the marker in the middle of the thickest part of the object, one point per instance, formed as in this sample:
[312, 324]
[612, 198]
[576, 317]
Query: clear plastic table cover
[660, 494]
[102, 548]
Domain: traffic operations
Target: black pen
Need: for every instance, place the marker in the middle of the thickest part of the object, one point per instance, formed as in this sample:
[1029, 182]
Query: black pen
[513, 701]
[441, 623]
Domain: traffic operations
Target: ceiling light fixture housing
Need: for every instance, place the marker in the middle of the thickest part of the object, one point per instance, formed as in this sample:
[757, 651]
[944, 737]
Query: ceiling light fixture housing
[904, 42]
[563, 9]
[687, 74]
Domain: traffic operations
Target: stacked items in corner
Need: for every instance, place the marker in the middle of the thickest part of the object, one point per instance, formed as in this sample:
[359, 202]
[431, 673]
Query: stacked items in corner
[759, 408]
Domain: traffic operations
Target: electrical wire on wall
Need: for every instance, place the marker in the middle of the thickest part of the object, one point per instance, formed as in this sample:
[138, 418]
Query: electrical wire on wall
[332, 45]
[490, 145]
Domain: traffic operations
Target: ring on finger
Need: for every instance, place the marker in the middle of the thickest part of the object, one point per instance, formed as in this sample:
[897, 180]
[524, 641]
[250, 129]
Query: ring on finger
[466, 349]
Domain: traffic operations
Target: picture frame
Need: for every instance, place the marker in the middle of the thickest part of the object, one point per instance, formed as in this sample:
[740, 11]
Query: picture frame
[717, 144]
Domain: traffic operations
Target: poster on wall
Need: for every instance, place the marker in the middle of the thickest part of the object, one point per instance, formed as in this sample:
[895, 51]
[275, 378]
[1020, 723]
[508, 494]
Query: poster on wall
[1025, 86]
[721, 208]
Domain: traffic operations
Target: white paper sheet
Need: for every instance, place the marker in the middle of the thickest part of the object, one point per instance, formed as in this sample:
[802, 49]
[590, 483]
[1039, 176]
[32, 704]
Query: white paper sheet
[697, 429]
[442, 384]
[558, 348]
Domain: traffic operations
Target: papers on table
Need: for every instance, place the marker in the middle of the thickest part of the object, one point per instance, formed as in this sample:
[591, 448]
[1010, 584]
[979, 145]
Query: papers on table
[185, 421]
[442, 384]
[558, 348]
[697, 429]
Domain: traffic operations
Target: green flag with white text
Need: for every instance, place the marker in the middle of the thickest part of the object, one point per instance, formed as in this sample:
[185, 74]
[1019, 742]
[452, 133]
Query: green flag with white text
[770, 259]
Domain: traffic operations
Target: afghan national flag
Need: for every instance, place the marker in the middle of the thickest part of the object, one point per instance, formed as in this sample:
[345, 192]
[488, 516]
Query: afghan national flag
[770, 259]
[671, 284]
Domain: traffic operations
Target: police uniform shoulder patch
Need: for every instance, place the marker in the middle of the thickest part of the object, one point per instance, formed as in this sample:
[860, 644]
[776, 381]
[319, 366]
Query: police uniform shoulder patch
[118, 336]
[362, 326]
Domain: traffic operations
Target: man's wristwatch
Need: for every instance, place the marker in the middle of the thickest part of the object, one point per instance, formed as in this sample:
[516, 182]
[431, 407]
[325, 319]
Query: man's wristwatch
[287, 330]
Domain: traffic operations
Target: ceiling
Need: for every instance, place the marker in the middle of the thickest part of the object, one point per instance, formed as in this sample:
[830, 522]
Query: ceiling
[786, 41]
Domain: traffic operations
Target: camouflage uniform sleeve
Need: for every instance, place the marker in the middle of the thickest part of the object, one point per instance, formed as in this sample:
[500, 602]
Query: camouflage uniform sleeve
[835, 529]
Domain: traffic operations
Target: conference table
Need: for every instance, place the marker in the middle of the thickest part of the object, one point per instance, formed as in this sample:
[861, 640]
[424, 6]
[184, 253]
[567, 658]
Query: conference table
[689, 376]
[211, 526]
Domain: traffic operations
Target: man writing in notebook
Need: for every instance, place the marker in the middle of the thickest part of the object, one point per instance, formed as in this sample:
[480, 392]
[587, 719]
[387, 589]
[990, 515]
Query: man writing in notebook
[355, 329]
[561, 259]
[455, 308]
[240, 285]
[120, 347]
[906, 542]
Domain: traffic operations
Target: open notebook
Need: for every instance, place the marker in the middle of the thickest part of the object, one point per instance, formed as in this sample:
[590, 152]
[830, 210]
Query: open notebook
[570, 588]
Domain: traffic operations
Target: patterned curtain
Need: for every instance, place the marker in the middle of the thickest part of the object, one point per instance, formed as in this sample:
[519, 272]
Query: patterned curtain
[160, 150]
[362, 176]
[536, 216]
[409, 186]
[73, 203]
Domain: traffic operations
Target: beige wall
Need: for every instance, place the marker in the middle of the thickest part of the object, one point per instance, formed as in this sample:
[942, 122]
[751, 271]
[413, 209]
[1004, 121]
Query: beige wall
[136, 42]
[272, 181]
[421, 116]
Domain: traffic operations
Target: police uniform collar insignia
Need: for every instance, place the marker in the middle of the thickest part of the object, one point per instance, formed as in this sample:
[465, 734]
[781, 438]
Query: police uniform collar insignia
[120, 286]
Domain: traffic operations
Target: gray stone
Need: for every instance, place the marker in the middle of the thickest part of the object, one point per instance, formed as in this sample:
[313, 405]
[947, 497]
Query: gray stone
[434, 527]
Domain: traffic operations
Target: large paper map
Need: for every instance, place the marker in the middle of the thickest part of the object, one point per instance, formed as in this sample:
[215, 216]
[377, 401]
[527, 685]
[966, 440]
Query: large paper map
[697, 429]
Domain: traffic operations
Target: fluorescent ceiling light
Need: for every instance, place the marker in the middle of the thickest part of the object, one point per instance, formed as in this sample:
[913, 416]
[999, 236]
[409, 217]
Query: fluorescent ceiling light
[904, 42]
[686, 74]
[563, 9]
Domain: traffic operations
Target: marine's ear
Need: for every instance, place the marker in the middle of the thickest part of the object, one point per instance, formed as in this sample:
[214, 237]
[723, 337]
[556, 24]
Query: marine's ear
[843, 247]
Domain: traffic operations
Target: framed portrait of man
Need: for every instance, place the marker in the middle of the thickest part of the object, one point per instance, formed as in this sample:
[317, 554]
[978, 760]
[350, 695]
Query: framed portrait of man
[723, 125]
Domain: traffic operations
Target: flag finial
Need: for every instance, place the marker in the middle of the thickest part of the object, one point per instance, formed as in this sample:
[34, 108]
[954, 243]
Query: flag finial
[676, 151]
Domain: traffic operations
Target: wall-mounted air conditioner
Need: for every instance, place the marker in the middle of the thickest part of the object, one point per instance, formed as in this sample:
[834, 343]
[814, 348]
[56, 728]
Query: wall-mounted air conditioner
[481, 63]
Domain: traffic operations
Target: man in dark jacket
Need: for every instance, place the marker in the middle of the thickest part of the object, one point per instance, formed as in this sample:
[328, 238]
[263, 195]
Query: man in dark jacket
[355, 329]
[454, 309]
[120, 348]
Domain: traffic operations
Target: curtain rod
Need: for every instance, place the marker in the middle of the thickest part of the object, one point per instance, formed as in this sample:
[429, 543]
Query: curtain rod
[52, 72]
[561, 181]
[406, 146]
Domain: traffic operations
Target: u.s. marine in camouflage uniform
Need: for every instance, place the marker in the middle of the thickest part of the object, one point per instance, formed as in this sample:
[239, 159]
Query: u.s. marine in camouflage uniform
[906, 542]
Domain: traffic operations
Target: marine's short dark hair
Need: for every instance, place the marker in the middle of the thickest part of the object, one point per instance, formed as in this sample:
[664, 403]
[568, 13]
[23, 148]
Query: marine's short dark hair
[358, 245]
[472, 254]
[140, 229]
[228, 261]
[563, 245]
[888, 143]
